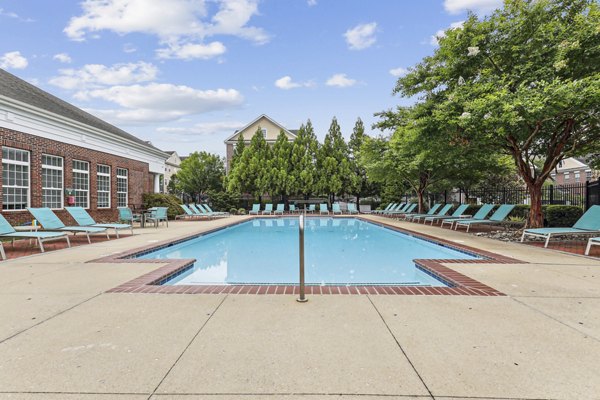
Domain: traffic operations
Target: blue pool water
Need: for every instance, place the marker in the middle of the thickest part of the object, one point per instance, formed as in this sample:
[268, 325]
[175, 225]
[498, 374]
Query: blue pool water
[338, 251]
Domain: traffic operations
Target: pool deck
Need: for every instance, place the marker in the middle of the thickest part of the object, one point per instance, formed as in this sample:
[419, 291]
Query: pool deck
[62, 336]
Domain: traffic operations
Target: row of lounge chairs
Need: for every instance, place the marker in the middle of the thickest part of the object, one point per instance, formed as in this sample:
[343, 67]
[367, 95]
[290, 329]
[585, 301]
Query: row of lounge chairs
[588, 224]
[312, 208]
[55, 229]
[200, 211]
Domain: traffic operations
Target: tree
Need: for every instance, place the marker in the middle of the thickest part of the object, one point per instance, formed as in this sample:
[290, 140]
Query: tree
[283, 180]
[199, 173]
[362, 185]
[239, 148]
[524, 81]
[303, 160]
[333, 165]
[250, 173]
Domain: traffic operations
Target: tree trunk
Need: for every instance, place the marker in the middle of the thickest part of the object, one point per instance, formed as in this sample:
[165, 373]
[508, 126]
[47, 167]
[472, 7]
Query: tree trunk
[536, 218]
[420, 201]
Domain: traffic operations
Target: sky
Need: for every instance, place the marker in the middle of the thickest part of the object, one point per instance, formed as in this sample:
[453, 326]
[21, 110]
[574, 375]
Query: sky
[185, 74]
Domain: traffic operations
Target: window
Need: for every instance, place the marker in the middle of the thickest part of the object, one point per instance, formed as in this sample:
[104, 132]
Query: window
[588, 175]
[52, 181]
[15, 179]
[264, 132]
[567, 177]
[122, 187]
[81, 183]
[103, 181]
[577, 176]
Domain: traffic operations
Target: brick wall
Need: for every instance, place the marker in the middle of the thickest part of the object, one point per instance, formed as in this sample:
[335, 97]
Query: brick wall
[140, 180]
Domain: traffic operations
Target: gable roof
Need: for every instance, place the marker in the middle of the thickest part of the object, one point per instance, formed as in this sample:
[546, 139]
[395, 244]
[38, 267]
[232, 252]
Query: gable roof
[17, 89]
[291, 133]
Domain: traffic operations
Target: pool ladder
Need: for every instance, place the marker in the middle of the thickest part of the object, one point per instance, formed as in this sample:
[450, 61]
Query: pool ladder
[302, 298]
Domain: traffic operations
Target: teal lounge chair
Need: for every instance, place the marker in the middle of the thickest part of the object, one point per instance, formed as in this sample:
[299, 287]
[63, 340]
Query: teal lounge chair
[479, 215]
[125, 214]
[399, 208]
[50, 222]
[592, 242]
[207, 207]
[442, 212]
[187, 212]
[205, 211]
[268, 209]
[457, 213]
[323, 209]
[255, 209]
[409, 208]
[387, 208]
[311, 208]
[157, 215]
[280, 209]
[431, 211]
[588, 224]
[335, 209]
[293, 208]
[198, 212]
[498, 216]
[84, 219]
[8, 232]
[352, 208]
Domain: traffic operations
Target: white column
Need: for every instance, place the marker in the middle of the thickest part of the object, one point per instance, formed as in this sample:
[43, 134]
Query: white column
[156, 183]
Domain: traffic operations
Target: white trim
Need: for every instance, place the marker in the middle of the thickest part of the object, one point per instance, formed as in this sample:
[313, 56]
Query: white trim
[230, 141]
[28, 119]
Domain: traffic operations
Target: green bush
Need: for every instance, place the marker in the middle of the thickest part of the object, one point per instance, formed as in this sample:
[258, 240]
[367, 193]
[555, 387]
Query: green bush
[163, 200]
[233, 211]
[241, 211]
[557, 215]
[224, 201]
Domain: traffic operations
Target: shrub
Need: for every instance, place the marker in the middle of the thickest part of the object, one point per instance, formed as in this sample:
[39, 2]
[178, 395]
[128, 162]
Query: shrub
[221, 201]
[233, 211]
[558, 215]
[163, 200]
[242, 211]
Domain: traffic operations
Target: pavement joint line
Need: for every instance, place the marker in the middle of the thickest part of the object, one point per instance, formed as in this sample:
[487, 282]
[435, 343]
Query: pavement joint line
[49, 318]
[212, 314]
[400, 347]
[383, 395]
[556, 319]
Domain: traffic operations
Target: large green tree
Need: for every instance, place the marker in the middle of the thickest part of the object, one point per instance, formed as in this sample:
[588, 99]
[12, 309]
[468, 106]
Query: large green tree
[200, 172]
[362, 186]
[238, 150]
[525, 81]
[283, 179]
[250, 174]
[303, 160]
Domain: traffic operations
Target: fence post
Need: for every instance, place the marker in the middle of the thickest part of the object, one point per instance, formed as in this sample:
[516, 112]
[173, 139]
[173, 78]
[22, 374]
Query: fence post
[587, 195]
[551, 194]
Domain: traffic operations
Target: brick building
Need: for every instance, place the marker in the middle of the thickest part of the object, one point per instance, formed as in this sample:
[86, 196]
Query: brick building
[50, 147]
[573, 170]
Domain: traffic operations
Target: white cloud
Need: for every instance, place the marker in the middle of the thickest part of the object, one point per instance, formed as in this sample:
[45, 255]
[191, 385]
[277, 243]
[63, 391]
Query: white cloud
[478, 6]
[180, 25]
[397, 72]
[63, 58]
[361, 36]
[13, 60]
[311, 3]
[95, 75]
[434, 39]
[340, 80]
[190, 51]
[129, 48]
[160, 102]
[287, 83]
[10, 14]
[204, 128]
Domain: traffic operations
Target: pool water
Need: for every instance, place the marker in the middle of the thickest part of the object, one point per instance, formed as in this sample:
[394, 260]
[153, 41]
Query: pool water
[338, 251]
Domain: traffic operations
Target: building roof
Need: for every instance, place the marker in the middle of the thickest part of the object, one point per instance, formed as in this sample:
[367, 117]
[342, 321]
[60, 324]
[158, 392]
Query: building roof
[290, 132]
[17, 89]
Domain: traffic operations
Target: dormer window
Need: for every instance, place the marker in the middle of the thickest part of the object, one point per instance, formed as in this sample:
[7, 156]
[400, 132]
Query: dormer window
[263, 131]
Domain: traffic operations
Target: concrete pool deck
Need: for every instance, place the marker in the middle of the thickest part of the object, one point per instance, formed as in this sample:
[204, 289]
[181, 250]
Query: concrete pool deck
[63, 337]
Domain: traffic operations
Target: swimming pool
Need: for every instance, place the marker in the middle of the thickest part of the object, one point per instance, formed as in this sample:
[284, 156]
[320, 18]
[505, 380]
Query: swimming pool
[338, 251]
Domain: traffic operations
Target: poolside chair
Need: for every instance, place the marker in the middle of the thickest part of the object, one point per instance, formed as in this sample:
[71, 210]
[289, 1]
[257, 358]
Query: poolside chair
[204, 210]
[408, 209]
[157, 215]
[592, 242]
[395, 209]
[588, 224]
[125, 214]
[280, 209]
[50, 222]
[268, 209]
[479, 215]
[8, 232]
[456, 214]
[83, 218]
[418, 217]
[408, 215]
[311, 208]
[335, 209]
[388, 207]
[187, 211]
[210, 210]
[352, 208]
[198, 212]
[323, 209]
[255, 209]
[293, 209]
[498, 216]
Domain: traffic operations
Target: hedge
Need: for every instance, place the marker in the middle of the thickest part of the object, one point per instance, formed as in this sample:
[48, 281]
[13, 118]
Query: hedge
[163, 200]
[557, 215]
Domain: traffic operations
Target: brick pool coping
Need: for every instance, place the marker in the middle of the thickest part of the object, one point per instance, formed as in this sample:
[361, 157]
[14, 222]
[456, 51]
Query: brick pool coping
[459, 284]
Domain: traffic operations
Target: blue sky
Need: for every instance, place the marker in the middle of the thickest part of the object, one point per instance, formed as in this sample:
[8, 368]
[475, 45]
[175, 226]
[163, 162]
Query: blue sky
[185, 74]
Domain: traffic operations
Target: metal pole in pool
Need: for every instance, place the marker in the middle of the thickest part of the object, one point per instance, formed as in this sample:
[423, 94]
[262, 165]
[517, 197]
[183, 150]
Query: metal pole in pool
[302, 298]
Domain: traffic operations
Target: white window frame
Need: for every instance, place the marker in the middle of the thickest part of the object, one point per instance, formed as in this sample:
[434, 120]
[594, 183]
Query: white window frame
[567, 176]
[264, 132]
[577, 176]
[126, 177]
[98, 191]
[62, 179]
[81, 171]
[28, 187]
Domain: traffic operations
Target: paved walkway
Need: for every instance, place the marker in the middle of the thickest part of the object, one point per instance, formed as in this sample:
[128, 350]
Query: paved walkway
[63, 337]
